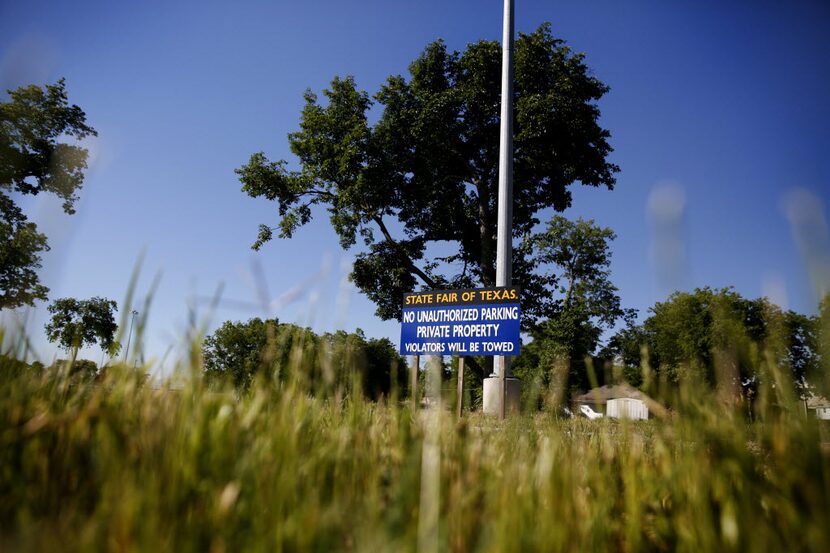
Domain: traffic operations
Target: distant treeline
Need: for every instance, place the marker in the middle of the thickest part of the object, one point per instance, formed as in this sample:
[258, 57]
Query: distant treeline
[713, 337]
[238, 353]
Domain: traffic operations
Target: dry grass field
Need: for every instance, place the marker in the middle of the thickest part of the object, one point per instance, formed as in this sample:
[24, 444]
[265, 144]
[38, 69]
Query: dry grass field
[124, 465]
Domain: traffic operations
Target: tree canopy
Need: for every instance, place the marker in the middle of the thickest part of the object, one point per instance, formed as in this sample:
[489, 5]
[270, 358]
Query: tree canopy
[419, 186]
[35, 158]
[78, 323]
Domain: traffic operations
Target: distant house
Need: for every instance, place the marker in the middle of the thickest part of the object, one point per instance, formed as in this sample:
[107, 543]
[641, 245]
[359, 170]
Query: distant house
[820, 405]
[619, 401]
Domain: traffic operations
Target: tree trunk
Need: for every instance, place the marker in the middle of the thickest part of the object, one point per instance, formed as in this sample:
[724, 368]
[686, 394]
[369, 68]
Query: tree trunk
[487, 259]
[487, 262]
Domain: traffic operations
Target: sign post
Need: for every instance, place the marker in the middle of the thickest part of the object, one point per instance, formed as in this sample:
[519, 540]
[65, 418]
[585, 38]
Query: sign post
[460, 385]
[414, 365]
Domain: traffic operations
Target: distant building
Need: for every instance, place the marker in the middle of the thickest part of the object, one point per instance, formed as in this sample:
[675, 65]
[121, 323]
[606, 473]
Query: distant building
[618, 401]
[820, 405]
[626, 408]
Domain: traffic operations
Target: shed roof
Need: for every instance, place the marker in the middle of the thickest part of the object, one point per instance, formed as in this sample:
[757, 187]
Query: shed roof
[817, 402]
[615, 391]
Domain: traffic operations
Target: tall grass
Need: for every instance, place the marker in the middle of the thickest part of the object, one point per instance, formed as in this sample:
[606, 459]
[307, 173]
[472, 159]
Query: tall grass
[124, 465]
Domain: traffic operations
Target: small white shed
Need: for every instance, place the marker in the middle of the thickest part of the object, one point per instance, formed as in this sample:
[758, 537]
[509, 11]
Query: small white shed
[626, 408]
[820, 405]
[620, 401]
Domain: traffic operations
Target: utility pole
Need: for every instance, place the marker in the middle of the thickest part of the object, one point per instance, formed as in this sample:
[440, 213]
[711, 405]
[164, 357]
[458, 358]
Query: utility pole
[504, 235]
[504, 244]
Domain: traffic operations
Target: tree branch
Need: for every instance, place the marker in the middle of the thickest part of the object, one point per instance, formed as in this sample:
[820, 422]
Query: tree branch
[324, 193]
[412, 267]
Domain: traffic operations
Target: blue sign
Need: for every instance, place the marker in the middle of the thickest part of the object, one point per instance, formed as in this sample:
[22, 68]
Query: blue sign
[484, 321]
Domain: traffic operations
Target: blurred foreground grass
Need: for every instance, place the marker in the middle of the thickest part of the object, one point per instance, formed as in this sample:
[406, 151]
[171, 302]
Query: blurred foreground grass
[124, 465]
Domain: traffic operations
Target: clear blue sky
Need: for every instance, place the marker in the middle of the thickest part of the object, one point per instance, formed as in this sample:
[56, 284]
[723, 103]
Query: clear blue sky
[718, 113]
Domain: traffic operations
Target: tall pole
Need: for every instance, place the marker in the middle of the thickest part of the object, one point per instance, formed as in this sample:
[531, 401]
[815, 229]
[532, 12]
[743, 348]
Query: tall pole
[504, 244]
[130, 334]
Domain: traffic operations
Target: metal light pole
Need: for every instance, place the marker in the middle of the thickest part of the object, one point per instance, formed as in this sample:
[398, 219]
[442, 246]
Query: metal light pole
[504, 243]
[130, 334]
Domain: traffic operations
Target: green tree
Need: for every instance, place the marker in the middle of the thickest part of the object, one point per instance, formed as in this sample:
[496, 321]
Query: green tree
[718, 336]
[822, 329]
[582, 300]
[628, 348]
[78, 323]
[803, 351]
[33, 160]
[577, 256]
[12, 367]
[385, 368]
[696, 334]
[237, 352]
[376, 361]
[20, 248]
[82, 369]
[419, 187]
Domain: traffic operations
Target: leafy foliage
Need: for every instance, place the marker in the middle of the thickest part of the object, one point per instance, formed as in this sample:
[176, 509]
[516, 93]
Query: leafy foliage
[33, 160]
[801, 335]
[423, 179]
[12, 367]
[238, 352]
[718, 337]
[580, 254]
[690, 330]
[77, 369]
[823, 324]
[235, 351]
[78, 323]
[628, 346]
[582, 303]
[20, 246]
